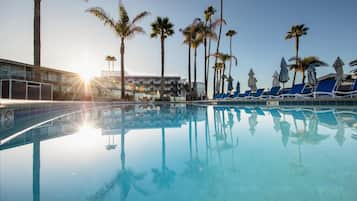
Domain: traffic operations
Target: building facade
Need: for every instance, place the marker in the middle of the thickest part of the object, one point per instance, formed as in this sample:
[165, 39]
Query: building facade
[109, 83]
[18, 81]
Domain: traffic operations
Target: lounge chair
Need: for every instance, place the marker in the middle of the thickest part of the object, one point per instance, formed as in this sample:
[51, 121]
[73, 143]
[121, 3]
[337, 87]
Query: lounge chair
[349, 93]
[295, 91]
[257, 94]
[245, 94]
[324, 88]
[274, 92]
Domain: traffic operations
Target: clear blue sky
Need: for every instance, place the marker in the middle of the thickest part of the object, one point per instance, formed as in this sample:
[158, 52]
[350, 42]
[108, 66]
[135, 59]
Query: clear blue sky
[74, 40]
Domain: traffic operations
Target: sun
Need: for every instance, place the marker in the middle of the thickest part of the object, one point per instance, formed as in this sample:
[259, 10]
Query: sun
[86, 77]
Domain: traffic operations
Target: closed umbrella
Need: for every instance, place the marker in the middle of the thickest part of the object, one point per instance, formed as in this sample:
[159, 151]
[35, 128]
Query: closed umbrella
[238, 87]
[338, 66]
[230, 84]
[252, 81]
[284, 72]
[311, 75]
[276, 82]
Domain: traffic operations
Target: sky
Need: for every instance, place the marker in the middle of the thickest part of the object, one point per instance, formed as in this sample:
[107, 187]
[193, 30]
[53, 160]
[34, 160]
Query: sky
[76, 41]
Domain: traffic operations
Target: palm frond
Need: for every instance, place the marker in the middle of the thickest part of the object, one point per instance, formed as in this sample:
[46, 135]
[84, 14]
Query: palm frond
[134, 30]
[123, 15]
[140, 16]
[102, 15]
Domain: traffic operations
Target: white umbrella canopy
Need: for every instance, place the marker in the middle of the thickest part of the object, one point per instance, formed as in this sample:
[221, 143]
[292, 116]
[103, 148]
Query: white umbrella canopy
[276, 82]
[252, 81]
[338, 66]
[284, 72]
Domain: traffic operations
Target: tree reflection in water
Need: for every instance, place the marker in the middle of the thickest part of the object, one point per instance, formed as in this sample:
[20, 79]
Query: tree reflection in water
[125, 179]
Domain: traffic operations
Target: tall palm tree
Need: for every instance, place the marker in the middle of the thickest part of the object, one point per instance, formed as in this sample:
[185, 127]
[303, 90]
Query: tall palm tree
[124, 28]
[206, 32]
[162, 28]
[196, 42]
[230, 34]
[224, 58]
[188, 33]
[297, 31]
[37, 39]
[209, 12]
[218, 42]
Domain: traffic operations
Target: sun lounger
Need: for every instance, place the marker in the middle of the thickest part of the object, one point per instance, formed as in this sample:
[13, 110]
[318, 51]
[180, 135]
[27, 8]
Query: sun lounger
[274, 92]
[324, 88]
[349, 93]
[295, 91]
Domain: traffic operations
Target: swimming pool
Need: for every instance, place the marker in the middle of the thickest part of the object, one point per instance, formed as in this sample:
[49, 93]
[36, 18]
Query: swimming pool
[179, 152]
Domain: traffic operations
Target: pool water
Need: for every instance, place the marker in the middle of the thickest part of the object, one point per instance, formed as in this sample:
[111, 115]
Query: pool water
[183, 153]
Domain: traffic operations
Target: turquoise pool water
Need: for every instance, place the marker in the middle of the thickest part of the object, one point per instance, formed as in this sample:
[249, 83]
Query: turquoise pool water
[179, 153]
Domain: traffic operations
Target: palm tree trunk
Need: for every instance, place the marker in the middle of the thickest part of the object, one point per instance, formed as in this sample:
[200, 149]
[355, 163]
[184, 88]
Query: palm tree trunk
[189, 69]
[162, 67]
[208, 60]
[37, 39]
[122, 51]
[214, 81]
[195, 73]
[206, 70]
[297, 41]
[219, 35]
[230, 54]
[224, 69]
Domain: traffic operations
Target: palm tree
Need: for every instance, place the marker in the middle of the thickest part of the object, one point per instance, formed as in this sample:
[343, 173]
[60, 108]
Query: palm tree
[230, 34]
[217, 69]
[218, 43]
[110, 60]
[207, 32]
[296, 32]
[124, 28]
[305, 62]
[188, 33]
[162, 28]
[196, 42]
[209, 12]
[224, 58]
[37, 38]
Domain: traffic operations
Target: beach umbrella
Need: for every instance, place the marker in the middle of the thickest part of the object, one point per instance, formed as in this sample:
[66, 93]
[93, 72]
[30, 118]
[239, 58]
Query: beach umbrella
[338, 66]
[252, 81]
[276, 82]
[238, 87]
[284, 72]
